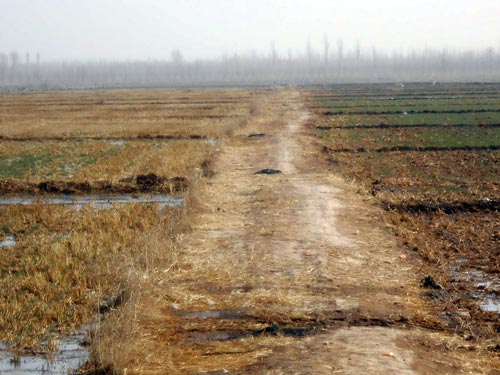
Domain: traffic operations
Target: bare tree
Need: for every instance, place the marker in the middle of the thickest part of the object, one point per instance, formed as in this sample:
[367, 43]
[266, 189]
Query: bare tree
[177, 57]
[274, 53]
[309, 51]
[326, 47]
[340, 50]
[254, 68]
[14, 59]
[4, 64]
[357, 51]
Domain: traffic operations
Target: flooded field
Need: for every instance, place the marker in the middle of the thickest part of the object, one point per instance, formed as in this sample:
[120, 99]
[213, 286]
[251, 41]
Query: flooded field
[431, 156]
[92, 191]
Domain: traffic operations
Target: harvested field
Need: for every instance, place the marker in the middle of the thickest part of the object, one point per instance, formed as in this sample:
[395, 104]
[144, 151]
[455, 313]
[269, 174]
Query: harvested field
[288, 270]
[274, 264]
[90, 184]
[436, 174]
[123, 113]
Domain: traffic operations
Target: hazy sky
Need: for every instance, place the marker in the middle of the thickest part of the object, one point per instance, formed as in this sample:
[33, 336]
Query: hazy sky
[144, 29]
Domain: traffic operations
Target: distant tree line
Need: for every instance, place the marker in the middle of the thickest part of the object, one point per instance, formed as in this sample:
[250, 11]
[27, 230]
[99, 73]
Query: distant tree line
[333, 64]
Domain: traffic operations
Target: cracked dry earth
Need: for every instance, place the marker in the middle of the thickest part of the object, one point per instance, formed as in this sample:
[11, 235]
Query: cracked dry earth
[295, 273]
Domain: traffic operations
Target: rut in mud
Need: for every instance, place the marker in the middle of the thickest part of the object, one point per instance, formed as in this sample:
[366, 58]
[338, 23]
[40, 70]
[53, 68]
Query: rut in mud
[294, 273]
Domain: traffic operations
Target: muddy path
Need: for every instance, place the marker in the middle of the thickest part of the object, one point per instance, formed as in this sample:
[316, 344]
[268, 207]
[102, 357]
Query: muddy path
[295, 273]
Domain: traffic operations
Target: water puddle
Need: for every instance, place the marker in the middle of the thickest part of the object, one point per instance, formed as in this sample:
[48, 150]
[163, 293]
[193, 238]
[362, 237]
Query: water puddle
[211, 141]
[96, 201]
[485, 286]
[8, 241]
[117, 142]
[491, 303]
[70, 355]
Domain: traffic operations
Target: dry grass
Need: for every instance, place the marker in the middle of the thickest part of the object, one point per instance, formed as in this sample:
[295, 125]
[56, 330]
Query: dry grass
[171, 159]
[67, 262]
[123, 113]
[64, 264]
[90, 161]
[429, 179]
[147, 323]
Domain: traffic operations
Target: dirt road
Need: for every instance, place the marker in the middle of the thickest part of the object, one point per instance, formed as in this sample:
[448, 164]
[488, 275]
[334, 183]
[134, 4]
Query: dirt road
[296, 273]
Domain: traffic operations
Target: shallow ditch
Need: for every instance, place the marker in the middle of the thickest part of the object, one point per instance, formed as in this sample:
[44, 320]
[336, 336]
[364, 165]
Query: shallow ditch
[97, 201]
[70, 355]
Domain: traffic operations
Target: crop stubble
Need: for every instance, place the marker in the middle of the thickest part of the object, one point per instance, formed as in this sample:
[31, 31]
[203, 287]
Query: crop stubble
[439, 185]
[69, 265]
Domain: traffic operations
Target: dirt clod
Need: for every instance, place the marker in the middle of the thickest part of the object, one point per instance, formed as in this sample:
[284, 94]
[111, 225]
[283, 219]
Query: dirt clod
[268, 171]
[429, 283]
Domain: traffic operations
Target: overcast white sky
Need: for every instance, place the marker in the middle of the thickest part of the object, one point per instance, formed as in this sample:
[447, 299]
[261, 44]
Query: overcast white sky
[144, 29]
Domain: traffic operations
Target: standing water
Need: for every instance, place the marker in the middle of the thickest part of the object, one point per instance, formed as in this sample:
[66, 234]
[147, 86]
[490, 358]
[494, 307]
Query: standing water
[70, 356]
[8, 241]
[95, 200]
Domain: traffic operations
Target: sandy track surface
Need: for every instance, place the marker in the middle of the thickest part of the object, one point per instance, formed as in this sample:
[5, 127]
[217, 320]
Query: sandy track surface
[295, 273]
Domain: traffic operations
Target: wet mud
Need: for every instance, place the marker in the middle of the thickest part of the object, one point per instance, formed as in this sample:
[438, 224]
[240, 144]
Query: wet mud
[298, 327]
[471, 280]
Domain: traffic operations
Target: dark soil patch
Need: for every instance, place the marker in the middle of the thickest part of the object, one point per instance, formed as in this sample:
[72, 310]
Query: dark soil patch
[269, 171]
[402, 126]
[328, 150]
[429, 283]
[150, 183]
[447, 208]
[139, 137]
[412, 112]
[257, 135]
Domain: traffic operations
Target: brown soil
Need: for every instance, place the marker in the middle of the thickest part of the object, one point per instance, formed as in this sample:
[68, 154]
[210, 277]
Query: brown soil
[295, 273]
